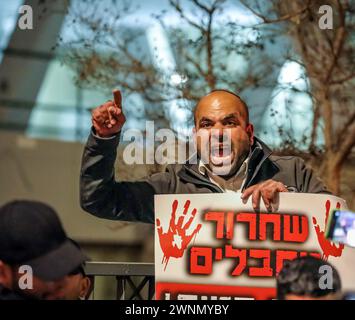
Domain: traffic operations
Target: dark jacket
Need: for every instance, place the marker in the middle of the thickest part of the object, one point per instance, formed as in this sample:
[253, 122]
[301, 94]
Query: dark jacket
[104, 197]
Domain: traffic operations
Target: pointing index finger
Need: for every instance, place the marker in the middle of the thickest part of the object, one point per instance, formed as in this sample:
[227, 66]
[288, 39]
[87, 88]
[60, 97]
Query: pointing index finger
[117, 98]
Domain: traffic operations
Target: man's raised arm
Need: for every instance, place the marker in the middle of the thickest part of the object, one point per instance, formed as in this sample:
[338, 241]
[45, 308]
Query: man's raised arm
[100, 194]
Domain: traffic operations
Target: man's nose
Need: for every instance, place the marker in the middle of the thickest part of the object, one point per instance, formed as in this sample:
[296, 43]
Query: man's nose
[218, 126]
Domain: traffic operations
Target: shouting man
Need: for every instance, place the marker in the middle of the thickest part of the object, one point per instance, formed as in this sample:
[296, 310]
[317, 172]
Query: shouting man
[242, 164]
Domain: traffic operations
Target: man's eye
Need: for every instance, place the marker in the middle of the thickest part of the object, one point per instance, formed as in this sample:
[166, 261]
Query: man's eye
[206, 125]
[230, 123]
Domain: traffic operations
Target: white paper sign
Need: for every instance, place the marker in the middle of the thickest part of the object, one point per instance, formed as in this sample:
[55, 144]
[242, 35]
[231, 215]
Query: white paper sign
[214, 246]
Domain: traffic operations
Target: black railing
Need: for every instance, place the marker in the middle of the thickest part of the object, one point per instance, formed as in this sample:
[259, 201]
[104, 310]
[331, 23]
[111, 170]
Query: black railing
[137, 277]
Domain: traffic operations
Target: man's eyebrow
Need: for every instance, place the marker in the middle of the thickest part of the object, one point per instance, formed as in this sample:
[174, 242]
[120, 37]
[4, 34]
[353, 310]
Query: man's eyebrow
[229, 116]
[205, 119]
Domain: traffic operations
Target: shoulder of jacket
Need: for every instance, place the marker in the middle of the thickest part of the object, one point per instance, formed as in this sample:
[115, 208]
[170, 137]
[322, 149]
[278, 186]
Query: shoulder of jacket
[281, 159]
[288, 162]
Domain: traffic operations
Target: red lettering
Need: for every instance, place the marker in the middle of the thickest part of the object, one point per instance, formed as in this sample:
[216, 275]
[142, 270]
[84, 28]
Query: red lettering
[249, 218]
[265, 219]
[241, 254]
[265, 270]
[219, 218]
[218, 254]
[285, 227]
[230, 225]
[299, 231]
[206, 254]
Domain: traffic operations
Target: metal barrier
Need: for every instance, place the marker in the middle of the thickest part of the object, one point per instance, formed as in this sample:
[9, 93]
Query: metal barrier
[125, 274]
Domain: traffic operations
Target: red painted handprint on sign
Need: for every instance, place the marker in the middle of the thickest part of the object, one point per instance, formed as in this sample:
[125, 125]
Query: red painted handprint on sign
[175, 241]
[328, 247]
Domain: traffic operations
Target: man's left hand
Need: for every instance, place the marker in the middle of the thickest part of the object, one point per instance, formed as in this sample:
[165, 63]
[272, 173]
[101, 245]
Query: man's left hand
[267, 190]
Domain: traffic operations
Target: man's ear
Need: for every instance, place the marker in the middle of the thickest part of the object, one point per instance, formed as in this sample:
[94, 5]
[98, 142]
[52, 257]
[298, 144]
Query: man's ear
[250, 132]
[5, 275]
[85, 288]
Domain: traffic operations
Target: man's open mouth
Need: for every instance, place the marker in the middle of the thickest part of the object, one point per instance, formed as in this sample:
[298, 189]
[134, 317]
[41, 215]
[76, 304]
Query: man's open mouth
[221, 153]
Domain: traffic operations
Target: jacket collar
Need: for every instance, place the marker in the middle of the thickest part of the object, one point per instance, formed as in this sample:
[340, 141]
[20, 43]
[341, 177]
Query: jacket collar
[260, 152]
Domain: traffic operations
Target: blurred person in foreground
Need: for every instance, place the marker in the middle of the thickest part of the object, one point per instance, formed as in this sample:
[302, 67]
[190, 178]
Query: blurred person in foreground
[79, 285]
[36, 257]
[304, 279]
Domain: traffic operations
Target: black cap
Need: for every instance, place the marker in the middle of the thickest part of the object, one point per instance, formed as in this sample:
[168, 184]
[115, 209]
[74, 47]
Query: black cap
[32, 234]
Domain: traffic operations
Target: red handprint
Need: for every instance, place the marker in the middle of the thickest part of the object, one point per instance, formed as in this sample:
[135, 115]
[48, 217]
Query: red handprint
[328, 247]
[175, 241]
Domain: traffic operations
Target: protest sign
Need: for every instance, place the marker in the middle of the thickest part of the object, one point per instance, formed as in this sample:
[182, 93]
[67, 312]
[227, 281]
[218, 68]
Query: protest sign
[214, 246]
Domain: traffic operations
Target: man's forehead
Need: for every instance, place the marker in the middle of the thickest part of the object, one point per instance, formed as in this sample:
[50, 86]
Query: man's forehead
[219, 109]
[220, 116]
[219, 103]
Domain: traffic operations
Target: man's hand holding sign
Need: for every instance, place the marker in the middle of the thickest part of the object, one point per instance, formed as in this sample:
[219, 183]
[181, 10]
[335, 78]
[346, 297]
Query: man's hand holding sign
[267, 190]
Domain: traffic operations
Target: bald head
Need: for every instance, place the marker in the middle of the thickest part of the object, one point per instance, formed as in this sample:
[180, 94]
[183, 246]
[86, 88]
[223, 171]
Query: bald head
[221, 99]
